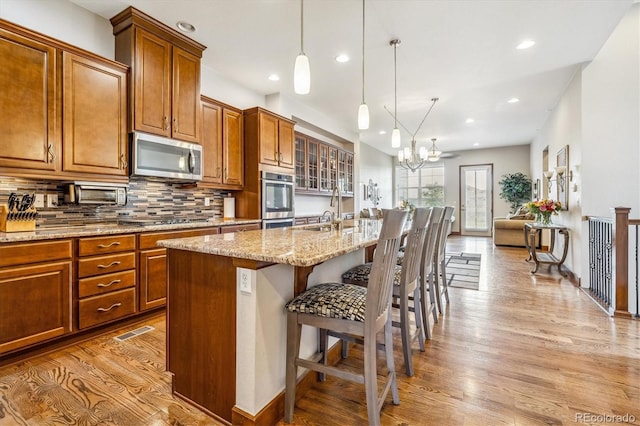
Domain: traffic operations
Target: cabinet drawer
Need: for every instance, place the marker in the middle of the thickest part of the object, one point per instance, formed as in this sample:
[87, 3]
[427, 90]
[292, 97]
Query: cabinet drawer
[106, 264]
[150, 239]
[99, 309]
[106, 283]
[107, 244]
[239, 228]
[17, 254]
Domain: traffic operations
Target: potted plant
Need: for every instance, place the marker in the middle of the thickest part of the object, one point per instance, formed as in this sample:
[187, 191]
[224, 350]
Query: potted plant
[516, 189]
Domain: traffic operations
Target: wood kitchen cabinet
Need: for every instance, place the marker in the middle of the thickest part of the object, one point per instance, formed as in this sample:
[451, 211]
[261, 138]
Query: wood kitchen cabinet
[94, 114]
[165, 66]
[152, 265]
[272, 135]
[29, 130]
[35, 293]
[222, 145]
[320, 166]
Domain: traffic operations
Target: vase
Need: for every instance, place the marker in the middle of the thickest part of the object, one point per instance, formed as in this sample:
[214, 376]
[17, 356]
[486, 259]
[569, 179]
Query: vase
[544, 218]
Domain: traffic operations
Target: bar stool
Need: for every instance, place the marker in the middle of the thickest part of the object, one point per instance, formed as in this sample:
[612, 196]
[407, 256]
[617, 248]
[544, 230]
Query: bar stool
[439, 261]
[427, 283]
[406, 285]
[353, 310]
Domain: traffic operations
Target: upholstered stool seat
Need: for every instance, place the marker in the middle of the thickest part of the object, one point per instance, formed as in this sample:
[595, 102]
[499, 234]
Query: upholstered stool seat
[359, 275]
[331, 300]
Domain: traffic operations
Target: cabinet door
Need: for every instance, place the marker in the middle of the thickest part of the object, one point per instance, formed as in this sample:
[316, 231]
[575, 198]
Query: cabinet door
[233, 147]
[313, 165]
[268, 131]
[153, 278]
[36, 304]
[301, 163]
[285, 144]
[349, 174]
[211, 139]
[333, 168]
[28, 135]
[325, 182]
[95, 114]
[185, 104]
[152, 71]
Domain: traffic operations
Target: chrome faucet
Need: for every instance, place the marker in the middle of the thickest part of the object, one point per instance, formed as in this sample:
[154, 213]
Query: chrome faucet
[337, 217]
[329, 213]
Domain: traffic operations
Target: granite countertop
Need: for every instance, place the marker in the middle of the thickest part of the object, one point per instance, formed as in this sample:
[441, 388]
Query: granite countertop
[109, 228]
[298, 246]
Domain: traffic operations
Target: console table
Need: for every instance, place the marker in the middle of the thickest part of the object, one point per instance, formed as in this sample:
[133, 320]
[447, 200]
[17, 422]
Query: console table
[533, 230]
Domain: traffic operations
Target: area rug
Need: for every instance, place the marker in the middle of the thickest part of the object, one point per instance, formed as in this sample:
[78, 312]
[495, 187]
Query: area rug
[463, 270]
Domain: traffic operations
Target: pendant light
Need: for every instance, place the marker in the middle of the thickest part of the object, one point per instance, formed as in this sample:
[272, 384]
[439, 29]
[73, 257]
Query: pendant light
[363, 111]
[301, 70]
[395, 135]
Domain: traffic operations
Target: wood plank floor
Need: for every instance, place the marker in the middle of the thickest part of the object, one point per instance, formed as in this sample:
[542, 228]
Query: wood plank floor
[522, 350]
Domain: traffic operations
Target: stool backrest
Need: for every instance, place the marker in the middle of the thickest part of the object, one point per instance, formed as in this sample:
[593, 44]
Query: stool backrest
[380, 285]
[430, 242]
[443, 232]
[415, 244]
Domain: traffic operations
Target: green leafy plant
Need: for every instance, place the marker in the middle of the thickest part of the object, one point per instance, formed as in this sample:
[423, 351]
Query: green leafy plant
[516, 189]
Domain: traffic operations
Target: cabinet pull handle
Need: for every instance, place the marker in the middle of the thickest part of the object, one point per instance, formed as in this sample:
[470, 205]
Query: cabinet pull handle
[166, 122]
[115, 305]
[52, 154]
[175, 124]
[114, 263]
[123, 160]
[218, 172]
[113, 243]
[110, 284]
[226, 174]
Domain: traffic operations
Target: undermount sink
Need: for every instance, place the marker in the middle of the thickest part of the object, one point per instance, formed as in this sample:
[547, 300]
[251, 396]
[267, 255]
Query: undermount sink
[325, 228]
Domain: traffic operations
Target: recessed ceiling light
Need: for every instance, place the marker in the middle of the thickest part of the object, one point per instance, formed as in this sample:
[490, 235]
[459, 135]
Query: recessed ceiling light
[185, 27]
[382, 132]
[476, 144]
[274, 77]
[343, 57]
[513, 100]
[469, 120]
[525, 44]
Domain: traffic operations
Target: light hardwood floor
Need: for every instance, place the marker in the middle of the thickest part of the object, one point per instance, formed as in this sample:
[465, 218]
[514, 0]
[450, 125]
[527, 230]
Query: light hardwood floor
[523, 349]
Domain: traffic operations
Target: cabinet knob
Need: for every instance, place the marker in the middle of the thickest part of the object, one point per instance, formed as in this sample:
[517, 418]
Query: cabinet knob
[52, 155]
[166, 122]
[123, 161]
[218, 172]
[175, 124]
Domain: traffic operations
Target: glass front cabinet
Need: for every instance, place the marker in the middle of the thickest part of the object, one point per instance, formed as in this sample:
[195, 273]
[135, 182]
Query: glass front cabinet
[321, 166]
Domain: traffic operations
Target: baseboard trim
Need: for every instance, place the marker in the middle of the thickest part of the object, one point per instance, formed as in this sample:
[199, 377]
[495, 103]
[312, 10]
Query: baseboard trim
[273, 412]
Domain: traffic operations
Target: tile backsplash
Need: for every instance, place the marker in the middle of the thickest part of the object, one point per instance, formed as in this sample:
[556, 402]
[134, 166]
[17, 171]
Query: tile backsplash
[144, 198]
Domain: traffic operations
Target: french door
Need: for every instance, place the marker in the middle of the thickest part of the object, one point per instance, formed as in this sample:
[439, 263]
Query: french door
[476, 199]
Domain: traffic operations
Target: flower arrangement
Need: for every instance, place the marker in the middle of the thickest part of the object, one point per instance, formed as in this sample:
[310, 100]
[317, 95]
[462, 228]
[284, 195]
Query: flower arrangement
[407, 205]
[543, 209]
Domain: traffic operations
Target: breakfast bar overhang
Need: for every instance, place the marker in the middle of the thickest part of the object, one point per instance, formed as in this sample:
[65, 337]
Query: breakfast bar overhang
[226, 326]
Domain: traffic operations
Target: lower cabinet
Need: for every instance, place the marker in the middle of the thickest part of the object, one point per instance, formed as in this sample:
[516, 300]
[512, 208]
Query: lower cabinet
[152, 265]
[35, 293]
[239, 228]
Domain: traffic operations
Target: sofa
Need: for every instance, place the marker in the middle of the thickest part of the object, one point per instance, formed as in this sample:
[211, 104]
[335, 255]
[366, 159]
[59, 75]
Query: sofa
[509, 231]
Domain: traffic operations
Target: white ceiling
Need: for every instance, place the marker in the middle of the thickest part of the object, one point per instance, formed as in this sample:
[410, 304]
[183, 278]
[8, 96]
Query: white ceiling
[461, 51]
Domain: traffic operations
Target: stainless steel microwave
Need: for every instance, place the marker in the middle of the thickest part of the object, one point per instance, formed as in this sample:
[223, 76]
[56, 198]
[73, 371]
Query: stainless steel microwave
[160, 157]
[95, 193]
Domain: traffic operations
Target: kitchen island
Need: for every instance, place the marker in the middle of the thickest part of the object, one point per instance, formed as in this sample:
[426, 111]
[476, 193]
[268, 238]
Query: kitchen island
[226, 325]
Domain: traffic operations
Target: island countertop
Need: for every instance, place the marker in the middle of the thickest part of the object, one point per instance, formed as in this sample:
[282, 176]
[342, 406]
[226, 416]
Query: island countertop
[297, 246]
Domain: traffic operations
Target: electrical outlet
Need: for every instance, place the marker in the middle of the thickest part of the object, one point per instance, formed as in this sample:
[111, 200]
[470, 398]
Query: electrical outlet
[39, 201]
[207, 201]
[245, 282]
[52, 200]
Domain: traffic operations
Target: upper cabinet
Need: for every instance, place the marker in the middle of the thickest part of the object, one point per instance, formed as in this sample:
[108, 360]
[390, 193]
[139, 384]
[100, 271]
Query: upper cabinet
[320, 167]
[65, 109]
[222, 143]
[28, 101]
[165, 67]
[272, 136]
[94, 116]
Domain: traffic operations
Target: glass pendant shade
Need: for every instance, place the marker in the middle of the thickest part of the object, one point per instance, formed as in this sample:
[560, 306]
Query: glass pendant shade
[363, 117]
[395, 138]
[401, 156]
[302, 75]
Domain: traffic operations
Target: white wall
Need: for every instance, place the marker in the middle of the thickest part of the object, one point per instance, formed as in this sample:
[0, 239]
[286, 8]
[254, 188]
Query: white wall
[64, 21]
[509, 159]
[377, 166]
[564, 127]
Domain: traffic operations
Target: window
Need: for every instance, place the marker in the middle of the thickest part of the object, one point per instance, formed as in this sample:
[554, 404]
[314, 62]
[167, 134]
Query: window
[423, 188]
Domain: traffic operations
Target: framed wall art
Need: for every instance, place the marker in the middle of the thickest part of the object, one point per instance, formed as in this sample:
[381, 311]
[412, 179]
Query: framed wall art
[562, 177]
